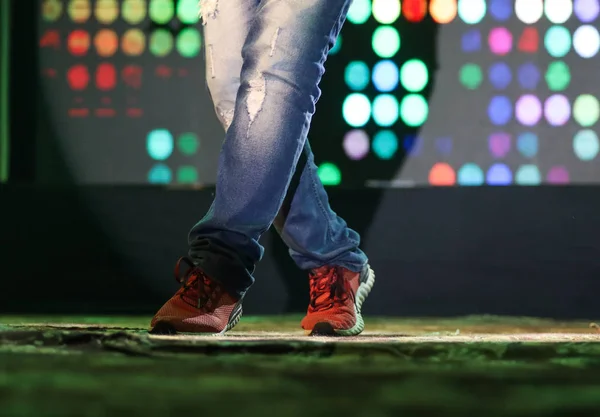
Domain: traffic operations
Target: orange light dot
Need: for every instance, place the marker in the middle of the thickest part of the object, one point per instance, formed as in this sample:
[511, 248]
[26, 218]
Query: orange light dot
[442, 174]
[106, 42]
[443, 11]
[133, 42]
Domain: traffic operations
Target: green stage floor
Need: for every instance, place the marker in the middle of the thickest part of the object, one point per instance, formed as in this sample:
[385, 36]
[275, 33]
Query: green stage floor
[108, 366]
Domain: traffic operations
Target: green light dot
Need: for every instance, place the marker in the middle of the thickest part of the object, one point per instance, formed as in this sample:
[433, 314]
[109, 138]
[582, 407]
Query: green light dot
[558, 76]
[528, 175]
[159, 144]
[385, 110]
[385, 144]
[134, 11]
[188, 42]
[586, 110]
[187, 11]
[188, 143]
[359, 12]
[329, 174]
[337, 46]
[161, 42]
[187, 175]
[414, 75]
[471, 76]
[52, 10]
[357, 75]
[414, 110]
[386, 41]
[161, 11]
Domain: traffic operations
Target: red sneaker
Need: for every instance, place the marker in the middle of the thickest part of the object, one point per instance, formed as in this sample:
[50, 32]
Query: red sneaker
[200, 306]
[336, 298]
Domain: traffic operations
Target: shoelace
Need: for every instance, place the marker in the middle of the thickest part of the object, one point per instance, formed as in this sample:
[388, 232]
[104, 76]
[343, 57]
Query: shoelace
[195, 284]
[327, 283]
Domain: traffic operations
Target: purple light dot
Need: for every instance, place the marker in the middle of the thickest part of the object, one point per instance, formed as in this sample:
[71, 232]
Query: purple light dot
[528, 110]
[356, 144]
[499, 174]
[586, 10]
[529, 76]
[499, 144]
[444, 145]
[500, 76]
[557, 110]
[500, 41]
[471, 41]
[558, 175]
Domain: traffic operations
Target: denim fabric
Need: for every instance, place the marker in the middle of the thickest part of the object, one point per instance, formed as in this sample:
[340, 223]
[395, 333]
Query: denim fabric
[264, 61]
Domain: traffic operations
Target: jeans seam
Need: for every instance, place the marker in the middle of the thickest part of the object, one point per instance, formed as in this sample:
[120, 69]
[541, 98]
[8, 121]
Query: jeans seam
[322, 207]
[340, 20]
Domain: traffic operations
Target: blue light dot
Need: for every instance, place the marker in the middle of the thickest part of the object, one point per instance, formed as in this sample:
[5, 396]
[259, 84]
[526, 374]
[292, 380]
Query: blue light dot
[527, 144]
[385, 76]
[500, 110]
[470, 175]
[585, 145]
[529, 76]
[500, 75]
[471, 41]
[159, 144]
[499, 174]
[501, 10]
[160, 174]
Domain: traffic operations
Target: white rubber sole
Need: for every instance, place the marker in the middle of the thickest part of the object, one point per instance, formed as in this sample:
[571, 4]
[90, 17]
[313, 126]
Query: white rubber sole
[231, 324]
[361, 295]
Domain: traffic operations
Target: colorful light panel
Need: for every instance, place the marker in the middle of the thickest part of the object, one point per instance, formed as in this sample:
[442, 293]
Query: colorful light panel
[521, 71]
[530, 47]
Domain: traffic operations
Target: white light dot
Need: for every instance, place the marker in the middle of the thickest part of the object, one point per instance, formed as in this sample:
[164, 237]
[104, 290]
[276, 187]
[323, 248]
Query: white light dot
[471, 11]
[558, 11]
[586, 41]
[386, 11]
[529, 11]
[356, 110]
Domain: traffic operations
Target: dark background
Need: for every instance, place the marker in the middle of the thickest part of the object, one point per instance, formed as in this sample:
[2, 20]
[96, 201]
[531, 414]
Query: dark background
[101, 248]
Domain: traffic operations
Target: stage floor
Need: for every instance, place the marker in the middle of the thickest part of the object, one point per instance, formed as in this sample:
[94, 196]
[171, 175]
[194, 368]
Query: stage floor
[96, 366]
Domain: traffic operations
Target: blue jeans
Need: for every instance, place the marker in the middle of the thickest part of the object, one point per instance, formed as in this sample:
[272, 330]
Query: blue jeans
[264, 61]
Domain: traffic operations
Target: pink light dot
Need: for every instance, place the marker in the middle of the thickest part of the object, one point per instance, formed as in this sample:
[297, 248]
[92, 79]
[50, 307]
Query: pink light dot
[500, 41]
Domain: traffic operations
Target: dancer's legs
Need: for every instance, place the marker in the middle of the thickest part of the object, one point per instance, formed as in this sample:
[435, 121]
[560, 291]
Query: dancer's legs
[267, 123]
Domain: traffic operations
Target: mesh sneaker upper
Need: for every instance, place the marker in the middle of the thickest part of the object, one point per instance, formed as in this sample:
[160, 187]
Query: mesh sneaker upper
[332, 298]
[200, 306]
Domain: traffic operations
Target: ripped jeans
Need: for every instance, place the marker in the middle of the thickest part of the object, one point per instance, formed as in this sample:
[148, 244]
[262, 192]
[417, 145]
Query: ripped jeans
[264, 61]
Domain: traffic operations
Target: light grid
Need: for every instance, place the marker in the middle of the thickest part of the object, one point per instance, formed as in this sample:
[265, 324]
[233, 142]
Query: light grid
[107, 30]
[398, 102]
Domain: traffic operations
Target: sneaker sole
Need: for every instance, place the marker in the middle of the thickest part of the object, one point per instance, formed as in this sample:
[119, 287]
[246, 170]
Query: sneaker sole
[326, 329]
